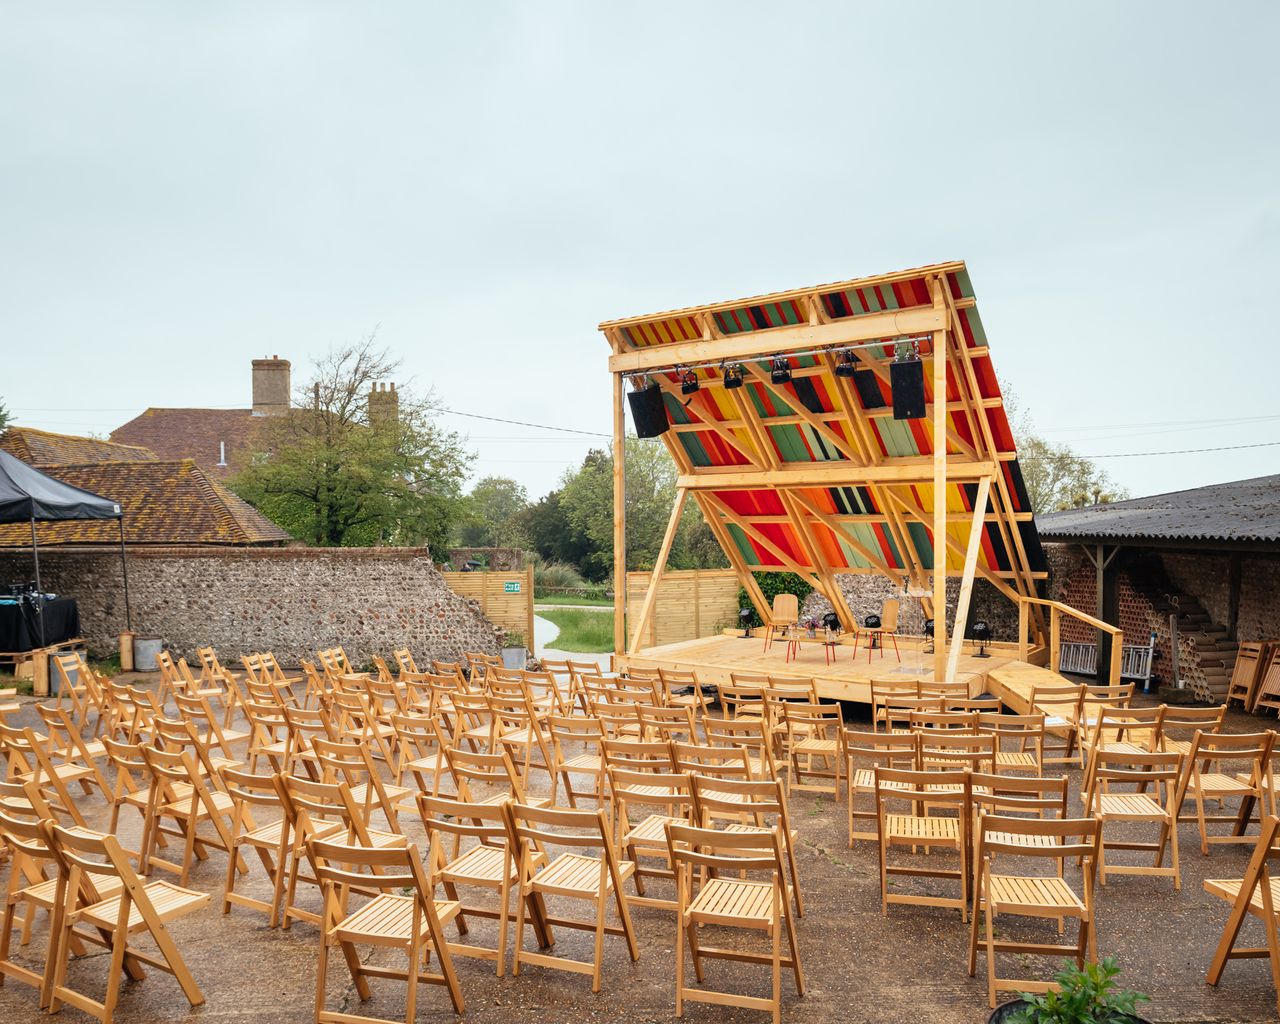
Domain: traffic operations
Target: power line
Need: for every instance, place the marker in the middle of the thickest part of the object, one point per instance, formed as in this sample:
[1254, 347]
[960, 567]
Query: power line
[525, 423]
[1179, 451]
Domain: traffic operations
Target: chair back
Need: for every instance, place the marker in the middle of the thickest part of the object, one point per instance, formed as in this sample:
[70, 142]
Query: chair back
[889, 616]
[786, 609]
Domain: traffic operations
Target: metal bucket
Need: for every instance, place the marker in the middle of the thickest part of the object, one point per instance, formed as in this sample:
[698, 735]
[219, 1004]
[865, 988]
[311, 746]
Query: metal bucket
[55, 677]
[514, 657]
[146, 649]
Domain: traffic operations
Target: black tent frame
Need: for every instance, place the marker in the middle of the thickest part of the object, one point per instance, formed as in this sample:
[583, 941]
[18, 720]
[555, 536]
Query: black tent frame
[47, 499]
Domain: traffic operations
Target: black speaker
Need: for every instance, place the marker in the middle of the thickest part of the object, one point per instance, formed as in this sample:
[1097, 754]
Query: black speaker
[907, 380]
[648, 412]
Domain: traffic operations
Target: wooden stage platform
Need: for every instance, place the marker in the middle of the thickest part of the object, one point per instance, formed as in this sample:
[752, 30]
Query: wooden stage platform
[848, 677]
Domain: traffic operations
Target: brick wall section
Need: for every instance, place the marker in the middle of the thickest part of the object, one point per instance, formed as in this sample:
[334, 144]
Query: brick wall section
[1259, 617]
[292, 601]
[1206, 576]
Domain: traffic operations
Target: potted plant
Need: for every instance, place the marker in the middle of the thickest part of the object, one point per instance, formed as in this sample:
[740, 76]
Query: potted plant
[1086, 995]
[514, 654]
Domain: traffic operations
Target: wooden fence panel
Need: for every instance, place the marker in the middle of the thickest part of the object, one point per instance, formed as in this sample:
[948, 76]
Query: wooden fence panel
[506, 598]
[691, 603]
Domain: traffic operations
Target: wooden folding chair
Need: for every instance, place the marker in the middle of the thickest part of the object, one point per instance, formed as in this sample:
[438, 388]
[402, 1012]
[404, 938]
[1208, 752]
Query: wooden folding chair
[29, 760]
[194, 708]
[1257, 894]
[475, 768]
[965, 722]
[715, 888]
[321, 810]
[1020, 795]
[950, 689]
[815, 756]
[638, 755]
[755, 807]
[1061, 707]
[1204, 778]
[888, 628]
[66, 746]
[271, 842]
[785, 612]
[353, 764]
[641, 841]
[420, 750]
[565, 732]
[138, 908]
[742, 698]
[1179, 724]
[681, 688]
[487, 864]
[1135, 730]
[896, 712]
[885, 691]
[77, 682]
[1155, 778]
[752, 735]
[914, 826]
[518, 730]
[180, 793]
[1044, 896]
[667, 723]
[403, 915]
[957, 751]
[864, 752]
[574, 874]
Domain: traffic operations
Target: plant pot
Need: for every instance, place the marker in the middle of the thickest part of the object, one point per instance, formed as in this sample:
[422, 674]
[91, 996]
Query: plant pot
[514, 657]
[1003, 1013]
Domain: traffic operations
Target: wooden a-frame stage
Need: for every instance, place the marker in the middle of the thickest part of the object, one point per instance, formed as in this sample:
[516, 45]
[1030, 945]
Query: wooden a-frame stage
[814, 475]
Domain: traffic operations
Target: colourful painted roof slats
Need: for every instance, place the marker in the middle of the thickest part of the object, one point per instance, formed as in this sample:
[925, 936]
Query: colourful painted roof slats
[815, 418]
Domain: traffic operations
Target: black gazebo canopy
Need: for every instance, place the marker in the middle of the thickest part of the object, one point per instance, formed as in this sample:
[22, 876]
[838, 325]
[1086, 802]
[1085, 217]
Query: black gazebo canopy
[27, 495]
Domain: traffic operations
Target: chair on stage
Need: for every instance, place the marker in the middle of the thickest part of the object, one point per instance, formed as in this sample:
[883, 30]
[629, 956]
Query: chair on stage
[786, 612]
[887, 626]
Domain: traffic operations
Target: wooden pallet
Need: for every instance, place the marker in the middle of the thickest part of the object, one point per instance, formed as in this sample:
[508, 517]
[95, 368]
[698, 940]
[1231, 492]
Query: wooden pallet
[1268, 695]
[1247, 674]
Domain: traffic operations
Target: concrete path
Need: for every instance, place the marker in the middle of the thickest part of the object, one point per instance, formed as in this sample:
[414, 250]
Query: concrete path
[545, 632]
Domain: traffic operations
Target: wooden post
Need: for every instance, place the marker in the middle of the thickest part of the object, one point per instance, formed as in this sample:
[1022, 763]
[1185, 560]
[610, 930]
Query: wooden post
[1055, 637]
[1024, 622]
[619, 519]
[939, 504]
[697, 603]
[966, 581]
[664, 550]
[528, 603]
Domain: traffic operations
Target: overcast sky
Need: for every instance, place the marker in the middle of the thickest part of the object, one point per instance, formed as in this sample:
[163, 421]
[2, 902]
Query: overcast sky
[186, 186]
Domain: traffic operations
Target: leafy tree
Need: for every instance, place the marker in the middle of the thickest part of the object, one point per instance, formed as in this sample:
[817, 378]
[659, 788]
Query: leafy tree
[551, 534]
[771, 585]
[329, 476]
[491, 515]
[1056, 477]
[4, 416]
[586, 498]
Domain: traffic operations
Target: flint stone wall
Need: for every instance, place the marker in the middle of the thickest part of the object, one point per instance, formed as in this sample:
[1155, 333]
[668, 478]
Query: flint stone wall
[293, 601]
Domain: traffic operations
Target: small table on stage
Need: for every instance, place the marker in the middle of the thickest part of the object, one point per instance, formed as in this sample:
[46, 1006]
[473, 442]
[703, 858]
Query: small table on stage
[20, 624]
[830, 643]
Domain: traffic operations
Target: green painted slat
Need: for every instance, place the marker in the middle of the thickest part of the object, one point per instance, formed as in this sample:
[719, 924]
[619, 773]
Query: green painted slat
[696, 452]
[923, 546]
[789, 445]
[744, 545]
[966, 285]
[897, 437]
[873, 303]
[975, 325]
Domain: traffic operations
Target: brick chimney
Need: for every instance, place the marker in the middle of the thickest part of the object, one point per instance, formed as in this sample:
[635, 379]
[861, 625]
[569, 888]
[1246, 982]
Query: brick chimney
[384, 405]
[271, 386]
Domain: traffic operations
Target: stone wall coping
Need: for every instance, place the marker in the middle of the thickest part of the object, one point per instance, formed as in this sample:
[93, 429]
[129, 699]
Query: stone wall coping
[231, 551]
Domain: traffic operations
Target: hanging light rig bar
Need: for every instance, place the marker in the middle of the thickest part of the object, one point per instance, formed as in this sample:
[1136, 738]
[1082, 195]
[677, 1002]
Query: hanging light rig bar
[688, 376]
[905, 369]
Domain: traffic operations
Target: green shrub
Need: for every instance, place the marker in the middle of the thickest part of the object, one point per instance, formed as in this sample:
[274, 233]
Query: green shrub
[771, 584]
[552, 576]
[1088, 996]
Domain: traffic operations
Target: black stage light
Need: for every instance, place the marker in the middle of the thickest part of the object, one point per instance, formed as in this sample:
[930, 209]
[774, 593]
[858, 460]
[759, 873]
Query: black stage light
[688, 383]
[781, 371]
[981, 632]
[732, 375]
[832, 621]
[847, 365]
[744, 616]
[928, 636]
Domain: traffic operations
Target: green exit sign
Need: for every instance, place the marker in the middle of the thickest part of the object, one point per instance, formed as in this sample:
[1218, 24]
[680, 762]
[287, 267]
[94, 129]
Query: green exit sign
[512, 588]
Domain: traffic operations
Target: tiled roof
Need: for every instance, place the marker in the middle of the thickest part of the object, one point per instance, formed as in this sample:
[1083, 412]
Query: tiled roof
[42, 448]
[165, 502]
[194, 434]
[1242, 511]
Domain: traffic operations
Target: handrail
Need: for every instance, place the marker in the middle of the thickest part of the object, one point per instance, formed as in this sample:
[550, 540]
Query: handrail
[1056, 610]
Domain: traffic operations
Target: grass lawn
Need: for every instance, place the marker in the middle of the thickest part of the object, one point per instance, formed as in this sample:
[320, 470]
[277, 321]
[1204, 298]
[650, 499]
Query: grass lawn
[581, 632]
[569, 600]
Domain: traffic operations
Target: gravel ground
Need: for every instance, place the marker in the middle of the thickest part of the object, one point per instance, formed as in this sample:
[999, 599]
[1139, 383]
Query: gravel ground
[860, 965]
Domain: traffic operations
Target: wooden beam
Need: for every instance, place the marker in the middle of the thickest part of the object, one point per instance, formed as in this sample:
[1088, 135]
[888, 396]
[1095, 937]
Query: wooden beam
[834, 524]
[797, 407]
[659, 566]
[940, 505]
[966, 579]
[754, 344]
[719, 427]
[731, 516]
[619, 518]
[839, 474]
